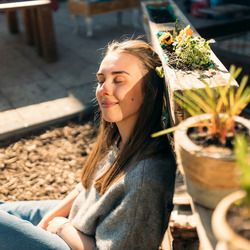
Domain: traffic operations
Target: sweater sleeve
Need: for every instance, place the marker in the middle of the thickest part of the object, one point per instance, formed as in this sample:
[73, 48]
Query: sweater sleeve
[140, 218]
[79, 187]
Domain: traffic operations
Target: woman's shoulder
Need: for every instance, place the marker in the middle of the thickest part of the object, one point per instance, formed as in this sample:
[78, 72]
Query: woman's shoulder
[157, 158]
[158, 170]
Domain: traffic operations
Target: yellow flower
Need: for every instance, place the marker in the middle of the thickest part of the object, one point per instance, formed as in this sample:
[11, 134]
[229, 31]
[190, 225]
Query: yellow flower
[166, 38]
[184, 32]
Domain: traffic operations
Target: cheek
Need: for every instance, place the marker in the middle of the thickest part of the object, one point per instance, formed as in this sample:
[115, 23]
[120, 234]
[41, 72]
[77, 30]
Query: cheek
[97, 92]
[137, 96]
[139, 99]
[136, 101]
[133, 95]
[97, 95]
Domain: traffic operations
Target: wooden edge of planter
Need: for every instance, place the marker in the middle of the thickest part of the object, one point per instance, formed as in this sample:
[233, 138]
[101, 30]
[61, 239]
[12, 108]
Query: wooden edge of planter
[224, 232]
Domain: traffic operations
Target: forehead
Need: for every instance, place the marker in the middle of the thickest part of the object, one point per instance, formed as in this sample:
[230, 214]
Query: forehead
[116, 61]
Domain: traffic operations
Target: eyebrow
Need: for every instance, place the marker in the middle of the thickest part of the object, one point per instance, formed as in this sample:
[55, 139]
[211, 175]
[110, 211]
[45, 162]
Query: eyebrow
[113, 73]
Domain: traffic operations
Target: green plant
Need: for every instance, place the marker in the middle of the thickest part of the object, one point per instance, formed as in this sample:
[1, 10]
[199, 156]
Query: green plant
[242, 157]
[192, 51]
[217, 101]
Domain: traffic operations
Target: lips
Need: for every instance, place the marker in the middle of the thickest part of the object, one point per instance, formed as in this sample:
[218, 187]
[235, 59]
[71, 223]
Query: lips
[108, 104]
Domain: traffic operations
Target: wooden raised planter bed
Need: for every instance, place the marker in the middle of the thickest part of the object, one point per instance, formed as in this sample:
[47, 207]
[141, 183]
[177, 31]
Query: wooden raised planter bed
[178, 80]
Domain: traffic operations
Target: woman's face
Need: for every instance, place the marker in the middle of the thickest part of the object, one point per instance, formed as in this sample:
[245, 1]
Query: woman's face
[119, 91]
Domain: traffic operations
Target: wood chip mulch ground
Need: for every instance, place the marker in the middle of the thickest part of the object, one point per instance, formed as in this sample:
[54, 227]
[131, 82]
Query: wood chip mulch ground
[46, 165]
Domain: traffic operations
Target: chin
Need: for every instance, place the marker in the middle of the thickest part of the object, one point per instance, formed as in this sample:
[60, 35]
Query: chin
[111, 119]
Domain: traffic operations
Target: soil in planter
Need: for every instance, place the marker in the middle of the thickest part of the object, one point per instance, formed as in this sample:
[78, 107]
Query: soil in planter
[175, 62]
[238, 218]
[206, 140]
[162, 14]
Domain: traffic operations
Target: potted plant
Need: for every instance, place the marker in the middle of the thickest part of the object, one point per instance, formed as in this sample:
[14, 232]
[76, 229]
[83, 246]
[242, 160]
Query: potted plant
[231, 218]
[204, 142]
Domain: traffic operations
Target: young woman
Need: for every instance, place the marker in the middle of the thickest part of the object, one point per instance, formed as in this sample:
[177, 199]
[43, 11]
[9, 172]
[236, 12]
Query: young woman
[125, 196]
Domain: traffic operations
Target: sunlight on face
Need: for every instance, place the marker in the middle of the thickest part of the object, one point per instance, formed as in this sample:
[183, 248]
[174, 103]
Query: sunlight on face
[119, 91]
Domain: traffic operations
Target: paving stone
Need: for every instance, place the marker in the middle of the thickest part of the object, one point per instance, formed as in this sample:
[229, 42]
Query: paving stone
[34, 92]
[85, 93]
[4, 103]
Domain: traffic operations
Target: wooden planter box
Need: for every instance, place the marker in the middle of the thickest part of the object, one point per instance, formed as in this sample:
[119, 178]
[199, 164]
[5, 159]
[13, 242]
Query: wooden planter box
[178, 80]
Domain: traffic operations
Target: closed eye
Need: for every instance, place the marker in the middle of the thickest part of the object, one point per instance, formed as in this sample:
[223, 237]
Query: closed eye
[119, 79]
[101, 80]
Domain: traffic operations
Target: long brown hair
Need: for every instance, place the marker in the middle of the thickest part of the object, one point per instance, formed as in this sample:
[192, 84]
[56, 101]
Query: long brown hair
[140, 144]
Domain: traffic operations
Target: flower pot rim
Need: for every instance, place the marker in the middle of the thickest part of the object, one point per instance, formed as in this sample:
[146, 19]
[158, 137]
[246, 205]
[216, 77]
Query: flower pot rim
[181, 135]
[224, 231]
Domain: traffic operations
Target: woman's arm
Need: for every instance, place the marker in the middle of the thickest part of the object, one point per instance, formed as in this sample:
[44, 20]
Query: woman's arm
[61, 210]
[73, 237]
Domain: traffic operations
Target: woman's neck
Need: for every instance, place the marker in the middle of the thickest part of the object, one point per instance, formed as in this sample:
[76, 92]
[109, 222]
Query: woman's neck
[125, 132]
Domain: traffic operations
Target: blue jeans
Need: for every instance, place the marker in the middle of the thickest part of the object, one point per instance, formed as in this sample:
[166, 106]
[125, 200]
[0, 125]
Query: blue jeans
[18, 229]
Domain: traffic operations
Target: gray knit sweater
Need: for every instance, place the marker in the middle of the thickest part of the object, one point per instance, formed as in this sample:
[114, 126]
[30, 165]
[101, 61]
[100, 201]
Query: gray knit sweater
[134, 212]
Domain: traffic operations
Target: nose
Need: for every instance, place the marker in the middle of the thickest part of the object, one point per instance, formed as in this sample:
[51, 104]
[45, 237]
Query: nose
[105, 89]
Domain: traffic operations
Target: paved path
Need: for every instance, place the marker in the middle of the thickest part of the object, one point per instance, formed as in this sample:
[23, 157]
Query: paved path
[33, 92]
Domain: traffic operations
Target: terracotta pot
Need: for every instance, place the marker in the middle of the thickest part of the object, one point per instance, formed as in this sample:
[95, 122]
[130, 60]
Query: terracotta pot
[209, 175]
[227, 238]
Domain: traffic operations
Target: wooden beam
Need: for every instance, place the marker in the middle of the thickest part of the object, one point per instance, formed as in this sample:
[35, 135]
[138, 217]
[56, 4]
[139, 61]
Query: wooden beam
[12, 21]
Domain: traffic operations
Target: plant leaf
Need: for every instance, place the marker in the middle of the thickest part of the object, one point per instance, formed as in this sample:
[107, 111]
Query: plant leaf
[186, 103]
[241, 87]
[165, 131]
[242, 158]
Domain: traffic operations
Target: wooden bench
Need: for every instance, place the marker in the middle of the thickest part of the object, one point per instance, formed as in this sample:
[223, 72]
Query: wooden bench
[38, 21]
[88, 9]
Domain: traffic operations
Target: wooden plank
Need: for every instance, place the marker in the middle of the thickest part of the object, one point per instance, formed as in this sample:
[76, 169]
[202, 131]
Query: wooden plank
[167, 241]
[35, 29]
[47, 33]
[203, 223]
[117, 5]
[91, 9]
[181, 200]
[27, 19]
[77, 8]
[12, 21]
[7, 5]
